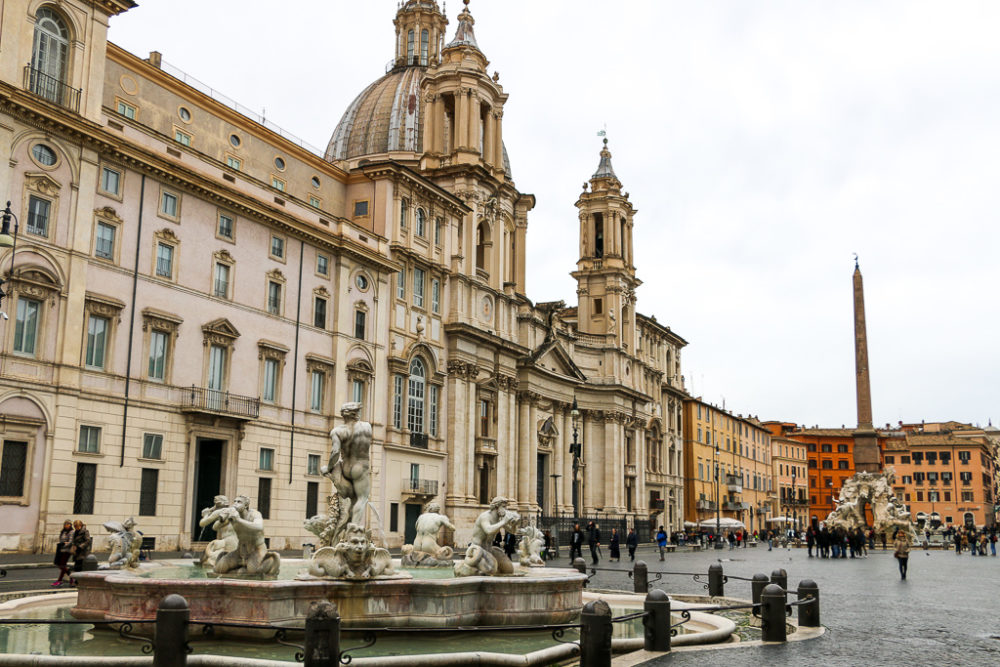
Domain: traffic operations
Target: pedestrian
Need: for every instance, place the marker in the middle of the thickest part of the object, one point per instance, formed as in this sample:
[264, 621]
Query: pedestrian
[81, 546]
[661, 540]
[901, 552]
[63, 547]
[883, 540]
[631, 541]
[615, 546]
[770, 539]
[810, 540]
[509, 543]
[594, 540]
[575, 543]
[993, 542]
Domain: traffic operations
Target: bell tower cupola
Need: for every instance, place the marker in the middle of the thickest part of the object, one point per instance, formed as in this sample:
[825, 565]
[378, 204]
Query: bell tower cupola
[420, 33]
[605, 272]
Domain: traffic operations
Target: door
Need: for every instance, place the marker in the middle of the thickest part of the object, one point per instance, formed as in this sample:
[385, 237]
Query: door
[410, 527]
[540, 470]
[207, 483]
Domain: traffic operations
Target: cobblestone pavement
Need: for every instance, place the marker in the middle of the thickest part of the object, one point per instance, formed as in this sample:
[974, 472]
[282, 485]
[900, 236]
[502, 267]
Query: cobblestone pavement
[946, 612]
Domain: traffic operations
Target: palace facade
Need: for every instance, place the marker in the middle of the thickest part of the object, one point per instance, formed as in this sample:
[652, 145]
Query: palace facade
[192, 294]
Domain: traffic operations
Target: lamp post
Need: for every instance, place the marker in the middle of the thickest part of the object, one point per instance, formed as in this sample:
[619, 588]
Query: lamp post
[574, 449]
[795, 501]
[555, 492]
[718, 529]
[7, 241]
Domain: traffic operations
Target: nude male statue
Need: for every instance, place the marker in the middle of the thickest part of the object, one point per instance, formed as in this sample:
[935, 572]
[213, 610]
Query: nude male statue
[349, 466]
[225, 537]
[491, 521]
[428, 525]
[251, 555]
[481, 558]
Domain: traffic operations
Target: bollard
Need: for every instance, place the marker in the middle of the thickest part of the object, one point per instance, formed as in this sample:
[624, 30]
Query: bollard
[322, 641]
[640, 577]
[757, 584]
[656, 626]
[772, 614]
[171, 634]
[780, 577]
[595, 634]
[716, 586]
[809, 612]
[89, 563]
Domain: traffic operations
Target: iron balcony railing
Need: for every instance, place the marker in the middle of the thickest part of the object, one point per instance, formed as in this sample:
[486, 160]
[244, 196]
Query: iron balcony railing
[423, 487]
[51, 89]
[213, 400]
[705, 505]
[418, 440]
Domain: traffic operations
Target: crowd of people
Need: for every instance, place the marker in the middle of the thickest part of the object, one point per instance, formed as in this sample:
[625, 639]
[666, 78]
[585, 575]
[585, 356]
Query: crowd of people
[74, 542]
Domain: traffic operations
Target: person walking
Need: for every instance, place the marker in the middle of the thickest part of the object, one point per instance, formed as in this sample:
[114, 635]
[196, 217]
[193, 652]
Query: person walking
[631, 541]
[575, 543]
[594, 540]
[661, 540]
[509, 543]
[901, 552]
[62, 551]
[81, 545]
[615, 546]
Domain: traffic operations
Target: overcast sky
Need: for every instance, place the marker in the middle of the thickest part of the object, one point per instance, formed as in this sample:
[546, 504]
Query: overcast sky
[763, 143]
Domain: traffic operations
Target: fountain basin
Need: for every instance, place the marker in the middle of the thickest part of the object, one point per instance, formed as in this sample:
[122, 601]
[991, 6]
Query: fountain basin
[538, 596]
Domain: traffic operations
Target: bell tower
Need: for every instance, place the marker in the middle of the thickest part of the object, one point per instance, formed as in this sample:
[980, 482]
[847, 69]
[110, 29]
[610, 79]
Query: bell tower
[420, 33]
[605, 273]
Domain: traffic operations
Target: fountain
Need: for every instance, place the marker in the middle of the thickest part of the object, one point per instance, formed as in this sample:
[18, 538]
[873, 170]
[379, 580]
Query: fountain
[874, 489]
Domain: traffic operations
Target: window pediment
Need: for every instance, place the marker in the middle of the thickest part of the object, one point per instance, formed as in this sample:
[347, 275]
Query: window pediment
[275, 274]
[219, 332]
[108, 213]
[104, 306]
[167, 235]
[317, 363]
[35, 283]
[267, 349]
[162, 321]
[223, 255]
[42, 183]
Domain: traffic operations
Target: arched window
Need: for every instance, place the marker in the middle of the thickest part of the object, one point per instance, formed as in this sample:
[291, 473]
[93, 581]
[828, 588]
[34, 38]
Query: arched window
[415, 398]
[409, 47]
[598, 235]
[49, 55]
[482, 240]
[424, 43]
[421, 222]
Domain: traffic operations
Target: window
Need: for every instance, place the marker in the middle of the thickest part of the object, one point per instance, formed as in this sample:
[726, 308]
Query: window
[421, 223]
[812, 447]
[967, 496]
[424, 42]
[966, 478]
[235, 140]
[322, 265]
[26, 326]
[225, 226]
[393, 517]
[314, 201]
[181, 137]
[433, 410]
[312, 465]
[126, 109]
[415, 397]
[312, 499]
[273, 297]
[418, 288]
[890, 459]
[49, 55]
[97, 341]
[277, 247]
[217, 360]
[827, 465]
[964, 457]
[164, 260]
[44, 155]
[38, 215]
[319, 312]
[147, 491]
[409, 48]
[358, 391]
[104, 243]
[842, 465]
[185, 114]
[279, 163]
[169, 205]
[220, 286]
[359, 324]
[13, 468]
[918, 458]
[317, 388]
[361, 209]
[362, 282]
[266, 459]
[404, 205]
[90, 440]
[904, 459]
[484, 418]
[946, 478]
[812, 464]
[598, 307]
[264, 497]
[315, 181]
[86, 484]
[920, 496]
[269, 391]
[826, 448]
[111, 181]
[397, 401]
[438, 224]
[277, 183]
[234, 162]
[435, 295]
[152, 446]
[158, 341]
[401, 283]
[842, 449]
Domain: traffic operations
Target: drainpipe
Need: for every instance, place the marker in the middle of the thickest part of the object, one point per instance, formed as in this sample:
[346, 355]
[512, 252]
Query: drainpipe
[131, 319]
[295, 363]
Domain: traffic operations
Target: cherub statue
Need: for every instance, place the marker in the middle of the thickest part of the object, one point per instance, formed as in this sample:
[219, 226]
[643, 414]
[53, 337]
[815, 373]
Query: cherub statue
[425, 551]
[225, 535]
[531, 545]
[354, 558]
[125, 544]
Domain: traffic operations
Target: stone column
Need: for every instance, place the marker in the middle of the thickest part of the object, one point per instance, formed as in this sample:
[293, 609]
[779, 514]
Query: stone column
[470, 441]
[489, 139]
[456, 429]
[594, 456]
[461, 118]
[614, 471]
[510, 444]
[430, 124]
[498, 146]
[567, 462]
[559, 452]
[531, 454]
[522, 444]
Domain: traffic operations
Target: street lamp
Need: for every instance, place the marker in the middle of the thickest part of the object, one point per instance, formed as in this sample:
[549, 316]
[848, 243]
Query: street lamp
[7, 241]
[574, 449]
[795, 502]
[718, 529]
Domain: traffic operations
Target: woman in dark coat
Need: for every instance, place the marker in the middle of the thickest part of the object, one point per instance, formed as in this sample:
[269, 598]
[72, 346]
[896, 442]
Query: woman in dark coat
[616, 553]
[62, 551]
[82, 544]
[631, 541]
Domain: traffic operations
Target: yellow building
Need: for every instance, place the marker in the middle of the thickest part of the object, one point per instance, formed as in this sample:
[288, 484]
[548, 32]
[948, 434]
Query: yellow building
[727, 467]
[790, 505]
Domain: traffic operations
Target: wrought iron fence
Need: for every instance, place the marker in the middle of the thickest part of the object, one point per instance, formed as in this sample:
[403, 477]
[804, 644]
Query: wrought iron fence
[214, 400]
[52, 89]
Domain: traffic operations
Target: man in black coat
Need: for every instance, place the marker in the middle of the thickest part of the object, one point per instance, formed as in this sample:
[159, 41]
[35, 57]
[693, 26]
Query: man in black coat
[575, 543]
[632, 541]
[594, 540]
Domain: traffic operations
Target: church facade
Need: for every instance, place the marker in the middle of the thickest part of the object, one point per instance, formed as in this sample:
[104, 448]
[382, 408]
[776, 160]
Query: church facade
[193, 294]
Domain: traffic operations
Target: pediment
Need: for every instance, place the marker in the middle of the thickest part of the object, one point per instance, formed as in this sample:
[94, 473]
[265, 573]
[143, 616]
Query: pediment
[552, 357]
[221, 327]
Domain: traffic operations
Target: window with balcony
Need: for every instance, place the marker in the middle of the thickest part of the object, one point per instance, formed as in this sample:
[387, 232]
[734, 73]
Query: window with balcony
[319, 312]
[415, 397]
[225, 228]
[104, 240]
[48, 71]
[159, 342]
[220, 281]
[274, 297]
[165, 260]
[38, 216]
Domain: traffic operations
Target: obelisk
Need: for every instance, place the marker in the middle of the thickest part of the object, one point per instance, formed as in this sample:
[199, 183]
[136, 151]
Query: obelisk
[866, 458]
